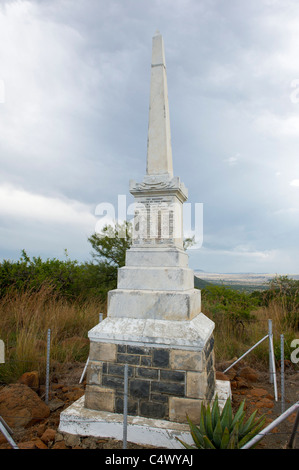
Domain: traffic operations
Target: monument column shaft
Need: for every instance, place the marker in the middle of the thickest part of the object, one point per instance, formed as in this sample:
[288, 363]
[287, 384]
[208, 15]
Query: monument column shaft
[159, 153]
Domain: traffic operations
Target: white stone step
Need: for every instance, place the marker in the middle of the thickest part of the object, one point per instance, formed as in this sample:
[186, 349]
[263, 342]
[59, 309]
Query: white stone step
[146, 278]
[162, 305]
[171, 257]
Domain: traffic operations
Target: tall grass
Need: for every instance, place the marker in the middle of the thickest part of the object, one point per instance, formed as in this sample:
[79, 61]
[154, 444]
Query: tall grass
[25, 318]
[234, 337]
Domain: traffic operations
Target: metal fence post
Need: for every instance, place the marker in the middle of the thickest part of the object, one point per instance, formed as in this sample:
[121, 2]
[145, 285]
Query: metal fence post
[6, 431]
[125, 428]
[270, 354]
[282, 371]
[272, 361]
[87, 362]
[84, 371]
[4, 428]
[291, 443]
[245, 354]
[48, 366]
[272, 425]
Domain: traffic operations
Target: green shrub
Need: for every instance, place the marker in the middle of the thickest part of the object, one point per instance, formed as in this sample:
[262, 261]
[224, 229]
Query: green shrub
[285, 292]
[235, 304]
[222, 430]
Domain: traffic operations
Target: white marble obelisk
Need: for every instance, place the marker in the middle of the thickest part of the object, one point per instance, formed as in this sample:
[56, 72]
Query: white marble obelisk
[154, 321]
[159, 153]
[156, 282]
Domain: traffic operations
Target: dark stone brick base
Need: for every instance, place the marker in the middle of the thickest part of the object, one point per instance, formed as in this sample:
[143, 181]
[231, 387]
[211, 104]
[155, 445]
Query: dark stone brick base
[162, 383]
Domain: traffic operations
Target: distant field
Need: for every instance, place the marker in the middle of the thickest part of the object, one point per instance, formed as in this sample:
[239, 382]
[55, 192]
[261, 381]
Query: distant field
[240, 281]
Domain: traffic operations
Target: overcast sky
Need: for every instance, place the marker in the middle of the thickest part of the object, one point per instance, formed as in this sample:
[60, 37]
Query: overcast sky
[74, 98]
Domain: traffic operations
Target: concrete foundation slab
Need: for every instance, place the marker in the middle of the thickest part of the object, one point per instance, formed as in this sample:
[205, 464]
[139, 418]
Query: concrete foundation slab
[78, 420]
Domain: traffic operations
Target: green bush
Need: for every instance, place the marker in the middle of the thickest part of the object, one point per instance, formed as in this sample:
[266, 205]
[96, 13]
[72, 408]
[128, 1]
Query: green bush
[222, 430]
[235, 304]
[31, 274]
[285, 292]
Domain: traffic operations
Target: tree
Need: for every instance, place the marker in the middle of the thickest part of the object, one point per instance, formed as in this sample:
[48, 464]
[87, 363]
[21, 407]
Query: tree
[109, 254]
[111, 244]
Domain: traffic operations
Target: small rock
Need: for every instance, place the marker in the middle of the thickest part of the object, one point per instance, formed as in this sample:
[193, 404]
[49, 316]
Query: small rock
[287, 363]
[89, 443]
[270, 397]
[58, 437]
[40, 444]
[27, 445]
[221, 376]
[21, 406]
[41, 429]
[31, 379]
[55, 404]
[102, 441]
[242, 382]
[71, 440]
[59, 445]
[231, 373]
[48, 436]
[248, 374]
[74, 395]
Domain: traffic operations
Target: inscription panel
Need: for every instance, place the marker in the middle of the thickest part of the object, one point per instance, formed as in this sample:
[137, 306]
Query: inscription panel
[157, 221]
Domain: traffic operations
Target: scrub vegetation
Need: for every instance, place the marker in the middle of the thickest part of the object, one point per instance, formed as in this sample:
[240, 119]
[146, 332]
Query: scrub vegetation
[67, 297]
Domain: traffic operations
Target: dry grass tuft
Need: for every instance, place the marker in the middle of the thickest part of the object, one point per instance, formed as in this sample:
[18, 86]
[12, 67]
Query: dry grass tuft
[233, 339]
[24, 322]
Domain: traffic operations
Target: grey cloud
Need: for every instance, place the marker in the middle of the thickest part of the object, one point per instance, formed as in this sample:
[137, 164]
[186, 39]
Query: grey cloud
[74, 124]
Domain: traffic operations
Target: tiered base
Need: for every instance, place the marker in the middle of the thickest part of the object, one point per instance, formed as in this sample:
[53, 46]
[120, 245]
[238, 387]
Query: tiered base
[170, 373]
[170, 367]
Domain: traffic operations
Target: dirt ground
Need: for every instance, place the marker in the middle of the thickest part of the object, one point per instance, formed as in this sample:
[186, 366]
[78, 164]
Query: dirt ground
[259, 394]
[267, 405]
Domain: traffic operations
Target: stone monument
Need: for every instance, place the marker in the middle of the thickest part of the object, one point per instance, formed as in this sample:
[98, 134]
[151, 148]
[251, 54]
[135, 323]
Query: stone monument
[154, 321]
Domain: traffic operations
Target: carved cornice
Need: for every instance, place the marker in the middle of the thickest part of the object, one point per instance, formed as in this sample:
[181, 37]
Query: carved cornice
[159, 185]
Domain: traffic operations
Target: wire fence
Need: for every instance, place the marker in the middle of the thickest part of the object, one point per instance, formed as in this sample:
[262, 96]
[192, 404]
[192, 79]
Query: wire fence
[273, 378]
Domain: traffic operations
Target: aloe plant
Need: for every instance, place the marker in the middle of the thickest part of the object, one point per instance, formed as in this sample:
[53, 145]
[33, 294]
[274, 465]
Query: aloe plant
[221, 430]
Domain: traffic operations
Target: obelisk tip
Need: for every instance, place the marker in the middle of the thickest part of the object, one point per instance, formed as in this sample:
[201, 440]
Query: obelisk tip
[159, 155]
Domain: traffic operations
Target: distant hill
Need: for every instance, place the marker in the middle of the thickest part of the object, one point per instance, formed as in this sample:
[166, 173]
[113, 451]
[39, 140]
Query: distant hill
[246, 282]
